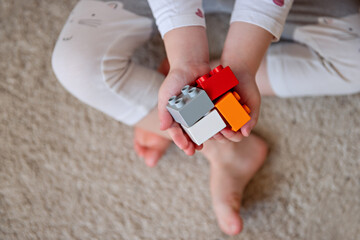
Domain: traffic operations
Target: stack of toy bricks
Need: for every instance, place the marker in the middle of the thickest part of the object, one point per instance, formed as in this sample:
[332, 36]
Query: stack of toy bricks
[209, 107]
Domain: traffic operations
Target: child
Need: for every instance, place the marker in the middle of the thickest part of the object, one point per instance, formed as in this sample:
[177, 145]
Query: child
[92, 60]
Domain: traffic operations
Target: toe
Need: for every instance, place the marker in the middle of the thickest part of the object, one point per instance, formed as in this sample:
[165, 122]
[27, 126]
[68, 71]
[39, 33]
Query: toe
[228, 219]
[140, 150]
[152, 157]
[219, 137]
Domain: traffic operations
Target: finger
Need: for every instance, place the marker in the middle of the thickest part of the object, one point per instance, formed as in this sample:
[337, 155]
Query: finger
[252, 99]
[198, 148]
[231, 135]
[254, 115]
[219, 137]
[247, 128]
[178, 136]
[164, 116]
[182, 140]
[169, 88]
[190, 150]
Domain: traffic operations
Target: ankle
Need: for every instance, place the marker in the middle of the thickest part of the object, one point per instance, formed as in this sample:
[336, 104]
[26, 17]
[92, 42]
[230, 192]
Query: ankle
[246, 152]
[218, 153]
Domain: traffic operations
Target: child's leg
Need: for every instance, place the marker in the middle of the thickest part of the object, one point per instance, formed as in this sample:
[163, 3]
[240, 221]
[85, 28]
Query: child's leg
[323, 60]
[233, 164]
[92, 59]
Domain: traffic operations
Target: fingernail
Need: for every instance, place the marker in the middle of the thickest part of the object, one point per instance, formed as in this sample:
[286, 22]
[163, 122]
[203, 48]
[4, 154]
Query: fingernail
[245, 134]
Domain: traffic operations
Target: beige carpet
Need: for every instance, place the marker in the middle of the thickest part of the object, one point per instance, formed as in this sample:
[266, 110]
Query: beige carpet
[69, 172]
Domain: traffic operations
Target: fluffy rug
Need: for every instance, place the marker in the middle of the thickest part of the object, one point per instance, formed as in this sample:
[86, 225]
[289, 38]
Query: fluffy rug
[69, 172]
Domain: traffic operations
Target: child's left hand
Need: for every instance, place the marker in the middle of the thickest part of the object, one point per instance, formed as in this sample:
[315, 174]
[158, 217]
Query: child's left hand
[244, 48]
[250, 96]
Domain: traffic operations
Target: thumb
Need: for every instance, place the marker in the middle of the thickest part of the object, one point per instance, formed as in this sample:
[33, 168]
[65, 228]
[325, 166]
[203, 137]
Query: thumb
[164, 116]
[254, 114]
[247, 128]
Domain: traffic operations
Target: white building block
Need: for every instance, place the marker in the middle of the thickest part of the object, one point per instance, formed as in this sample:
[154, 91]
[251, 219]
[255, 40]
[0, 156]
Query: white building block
[205, 128]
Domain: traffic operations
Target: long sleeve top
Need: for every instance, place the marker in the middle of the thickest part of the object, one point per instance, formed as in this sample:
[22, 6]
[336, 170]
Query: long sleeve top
[267, 14]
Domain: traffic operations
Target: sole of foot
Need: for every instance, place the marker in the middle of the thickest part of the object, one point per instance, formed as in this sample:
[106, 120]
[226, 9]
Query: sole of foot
[233, 165]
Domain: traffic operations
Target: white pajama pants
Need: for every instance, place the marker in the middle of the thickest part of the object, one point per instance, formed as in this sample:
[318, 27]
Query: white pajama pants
[92, 59]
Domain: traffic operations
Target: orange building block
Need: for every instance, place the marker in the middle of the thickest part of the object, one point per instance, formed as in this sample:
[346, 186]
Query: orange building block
[231, 110]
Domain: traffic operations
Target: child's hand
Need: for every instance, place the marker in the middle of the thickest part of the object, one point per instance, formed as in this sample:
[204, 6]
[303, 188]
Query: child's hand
[187, 51]
[244, 49]
[175, 80]
[250, 96]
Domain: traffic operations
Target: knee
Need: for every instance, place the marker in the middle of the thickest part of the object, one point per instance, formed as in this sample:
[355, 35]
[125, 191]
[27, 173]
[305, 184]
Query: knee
[79, 70]
[347, 70]
[66, 66]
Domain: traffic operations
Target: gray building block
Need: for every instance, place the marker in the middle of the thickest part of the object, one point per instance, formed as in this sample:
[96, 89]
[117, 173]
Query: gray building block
[189, 106]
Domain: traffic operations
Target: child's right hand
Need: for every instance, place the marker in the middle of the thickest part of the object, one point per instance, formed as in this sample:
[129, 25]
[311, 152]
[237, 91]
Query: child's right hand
[175, 80]
[187, 51]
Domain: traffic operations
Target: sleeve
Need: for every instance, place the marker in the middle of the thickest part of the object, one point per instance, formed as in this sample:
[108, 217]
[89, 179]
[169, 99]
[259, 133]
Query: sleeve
[171, 14]
[268, 14]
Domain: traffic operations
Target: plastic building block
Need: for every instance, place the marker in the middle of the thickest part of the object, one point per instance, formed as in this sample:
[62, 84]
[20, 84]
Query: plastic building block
[191, 105]
[231, 110]
[205, 128]
[219, 81]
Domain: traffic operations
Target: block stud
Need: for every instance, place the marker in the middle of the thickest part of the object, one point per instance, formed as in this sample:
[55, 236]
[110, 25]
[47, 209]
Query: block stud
[172, 100]
[237, 96]
[179, 103]
[203, 78]
[185, 90]
[216, 70]
[193, 92]
[247, 109]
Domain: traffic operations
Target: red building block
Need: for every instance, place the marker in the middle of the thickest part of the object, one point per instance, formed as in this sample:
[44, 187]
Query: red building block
[219, 81]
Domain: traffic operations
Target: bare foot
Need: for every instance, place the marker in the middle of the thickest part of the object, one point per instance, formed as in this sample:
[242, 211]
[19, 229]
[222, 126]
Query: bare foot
[149, 146]
[232, 167]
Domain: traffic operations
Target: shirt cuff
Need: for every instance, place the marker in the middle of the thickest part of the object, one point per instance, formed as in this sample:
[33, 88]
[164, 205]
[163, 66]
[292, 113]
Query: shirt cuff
[267, 14]
[261, 20]
[178, 21]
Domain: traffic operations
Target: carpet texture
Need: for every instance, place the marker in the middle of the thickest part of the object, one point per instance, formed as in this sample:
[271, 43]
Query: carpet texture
[69, 172]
